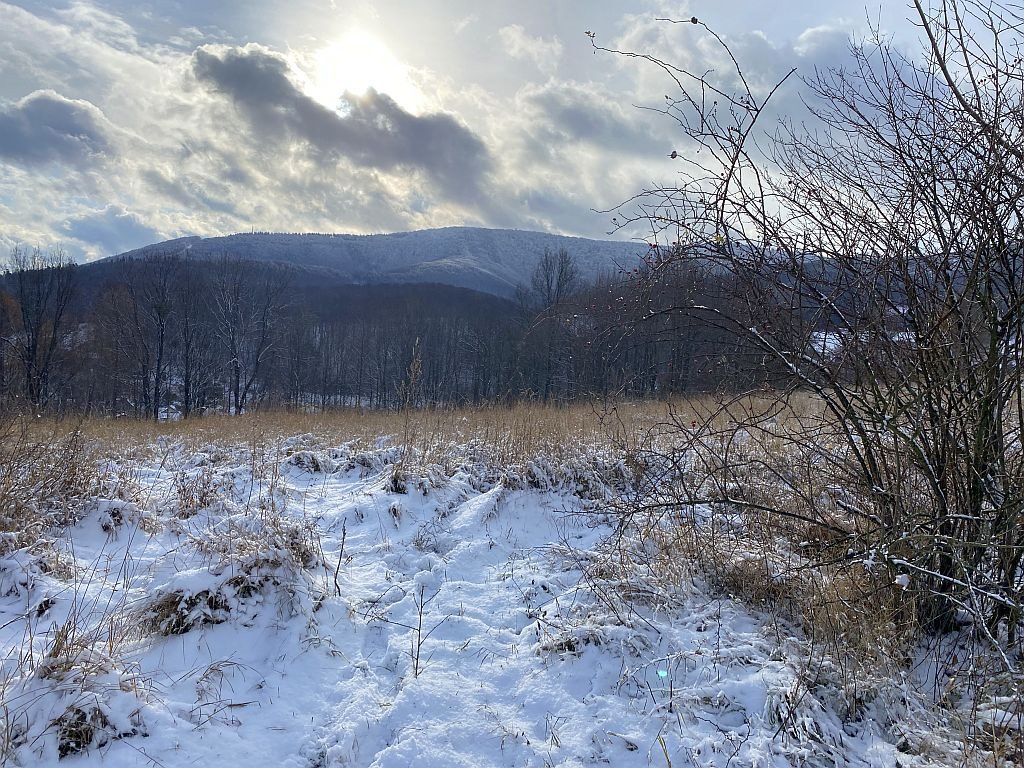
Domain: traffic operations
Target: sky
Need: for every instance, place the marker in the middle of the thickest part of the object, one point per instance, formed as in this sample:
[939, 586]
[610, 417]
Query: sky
[126, 122]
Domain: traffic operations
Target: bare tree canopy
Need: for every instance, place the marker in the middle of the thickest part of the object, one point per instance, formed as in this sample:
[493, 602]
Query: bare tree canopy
[43, 283]
[874, 252]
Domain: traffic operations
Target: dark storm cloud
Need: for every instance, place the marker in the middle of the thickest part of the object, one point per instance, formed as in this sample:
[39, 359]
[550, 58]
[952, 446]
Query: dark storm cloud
[45, 126]
[370, 130]
[112, 230]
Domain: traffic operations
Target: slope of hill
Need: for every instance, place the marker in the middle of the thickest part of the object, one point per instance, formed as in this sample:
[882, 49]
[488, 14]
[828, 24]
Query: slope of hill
[490, 260]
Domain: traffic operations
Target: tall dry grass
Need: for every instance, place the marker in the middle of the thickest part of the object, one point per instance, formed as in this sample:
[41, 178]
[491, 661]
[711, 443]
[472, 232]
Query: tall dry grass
[45, 474]
[758, 498]
[515, 432]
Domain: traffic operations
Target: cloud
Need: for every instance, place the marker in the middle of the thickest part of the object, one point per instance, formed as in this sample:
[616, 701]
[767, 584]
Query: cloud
[187, 191]
[98, 24]
[569, 112]
[110, 231]
[545, 54]
[825, 44]
[370, 131]
[466, 22]
[45, 126]
[124, 107]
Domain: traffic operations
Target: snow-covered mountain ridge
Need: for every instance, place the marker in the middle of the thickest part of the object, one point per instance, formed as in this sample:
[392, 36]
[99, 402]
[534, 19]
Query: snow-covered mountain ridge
[491, 260]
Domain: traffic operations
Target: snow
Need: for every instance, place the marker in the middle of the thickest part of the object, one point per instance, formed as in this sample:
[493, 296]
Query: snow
[491, 260]
[297, 612]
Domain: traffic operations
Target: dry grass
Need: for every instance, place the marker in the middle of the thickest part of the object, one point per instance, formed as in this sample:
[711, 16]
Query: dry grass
[45, 473]
[739, 492]
[758, 499]
[516, 433]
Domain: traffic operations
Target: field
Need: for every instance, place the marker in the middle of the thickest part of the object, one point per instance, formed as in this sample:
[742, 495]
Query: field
[522, 587]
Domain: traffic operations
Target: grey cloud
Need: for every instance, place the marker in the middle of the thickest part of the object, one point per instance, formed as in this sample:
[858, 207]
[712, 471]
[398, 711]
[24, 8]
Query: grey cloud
[188, 192]
[582, 113]
[371, 130]
[45, 126]
[112, 230]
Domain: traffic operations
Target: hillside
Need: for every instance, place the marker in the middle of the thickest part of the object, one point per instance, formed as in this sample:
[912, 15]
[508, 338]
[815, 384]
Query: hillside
[495, 261]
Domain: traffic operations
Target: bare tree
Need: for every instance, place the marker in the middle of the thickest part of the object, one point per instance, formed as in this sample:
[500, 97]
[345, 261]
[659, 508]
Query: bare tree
[875, 252]
[194, 340]
[248, 304]
[153, 295]
[42, 283]
[555, 280]
[137, 316]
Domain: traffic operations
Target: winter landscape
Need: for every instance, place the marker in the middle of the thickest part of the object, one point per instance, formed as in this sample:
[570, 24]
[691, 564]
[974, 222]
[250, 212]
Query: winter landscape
[473, 593]
[421, 384]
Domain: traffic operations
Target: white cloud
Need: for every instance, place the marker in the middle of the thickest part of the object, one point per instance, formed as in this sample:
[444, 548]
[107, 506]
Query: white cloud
[466, 22]
[108, 231]
[545, 54]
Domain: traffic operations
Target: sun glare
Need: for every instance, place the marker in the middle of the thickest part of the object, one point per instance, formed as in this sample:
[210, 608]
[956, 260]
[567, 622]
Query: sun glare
[357, 62]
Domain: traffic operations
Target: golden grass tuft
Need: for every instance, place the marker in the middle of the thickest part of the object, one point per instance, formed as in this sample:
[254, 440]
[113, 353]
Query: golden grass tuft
[515, 433]
[46, 472]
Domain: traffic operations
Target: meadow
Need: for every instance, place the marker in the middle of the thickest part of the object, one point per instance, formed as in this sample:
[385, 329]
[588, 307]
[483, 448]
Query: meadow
[634, 584]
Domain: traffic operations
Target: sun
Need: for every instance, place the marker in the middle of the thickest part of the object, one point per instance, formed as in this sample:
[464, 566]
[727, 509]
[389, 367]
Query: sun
[355, 63]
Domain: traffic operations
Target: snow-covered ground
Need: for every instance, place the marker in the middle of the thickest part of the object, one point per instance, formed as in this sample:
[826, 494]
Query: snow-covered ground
[331, 607]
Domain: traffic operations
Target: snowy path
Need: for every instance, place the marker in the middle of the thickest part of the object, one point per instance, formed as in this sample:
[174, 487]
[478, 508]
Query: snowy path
[454, 632]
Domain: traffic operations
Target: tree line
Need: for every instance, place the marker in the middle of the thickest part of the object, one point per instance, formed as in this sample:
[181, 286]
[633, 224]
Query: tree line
[163, 335]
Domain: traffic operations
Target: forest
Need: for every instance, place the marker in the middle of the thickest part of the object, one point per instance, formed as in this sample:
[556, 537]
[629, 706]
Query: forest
[167, 336]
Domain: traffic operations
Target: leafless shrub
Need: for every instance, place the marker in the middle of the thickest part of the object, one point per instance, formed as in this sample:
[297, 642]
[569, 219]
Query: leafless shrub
[868, 255]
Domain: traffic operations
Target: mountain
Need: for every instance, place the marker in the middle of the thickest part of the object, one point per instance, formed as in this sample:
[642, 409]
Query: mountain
[494, 261]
